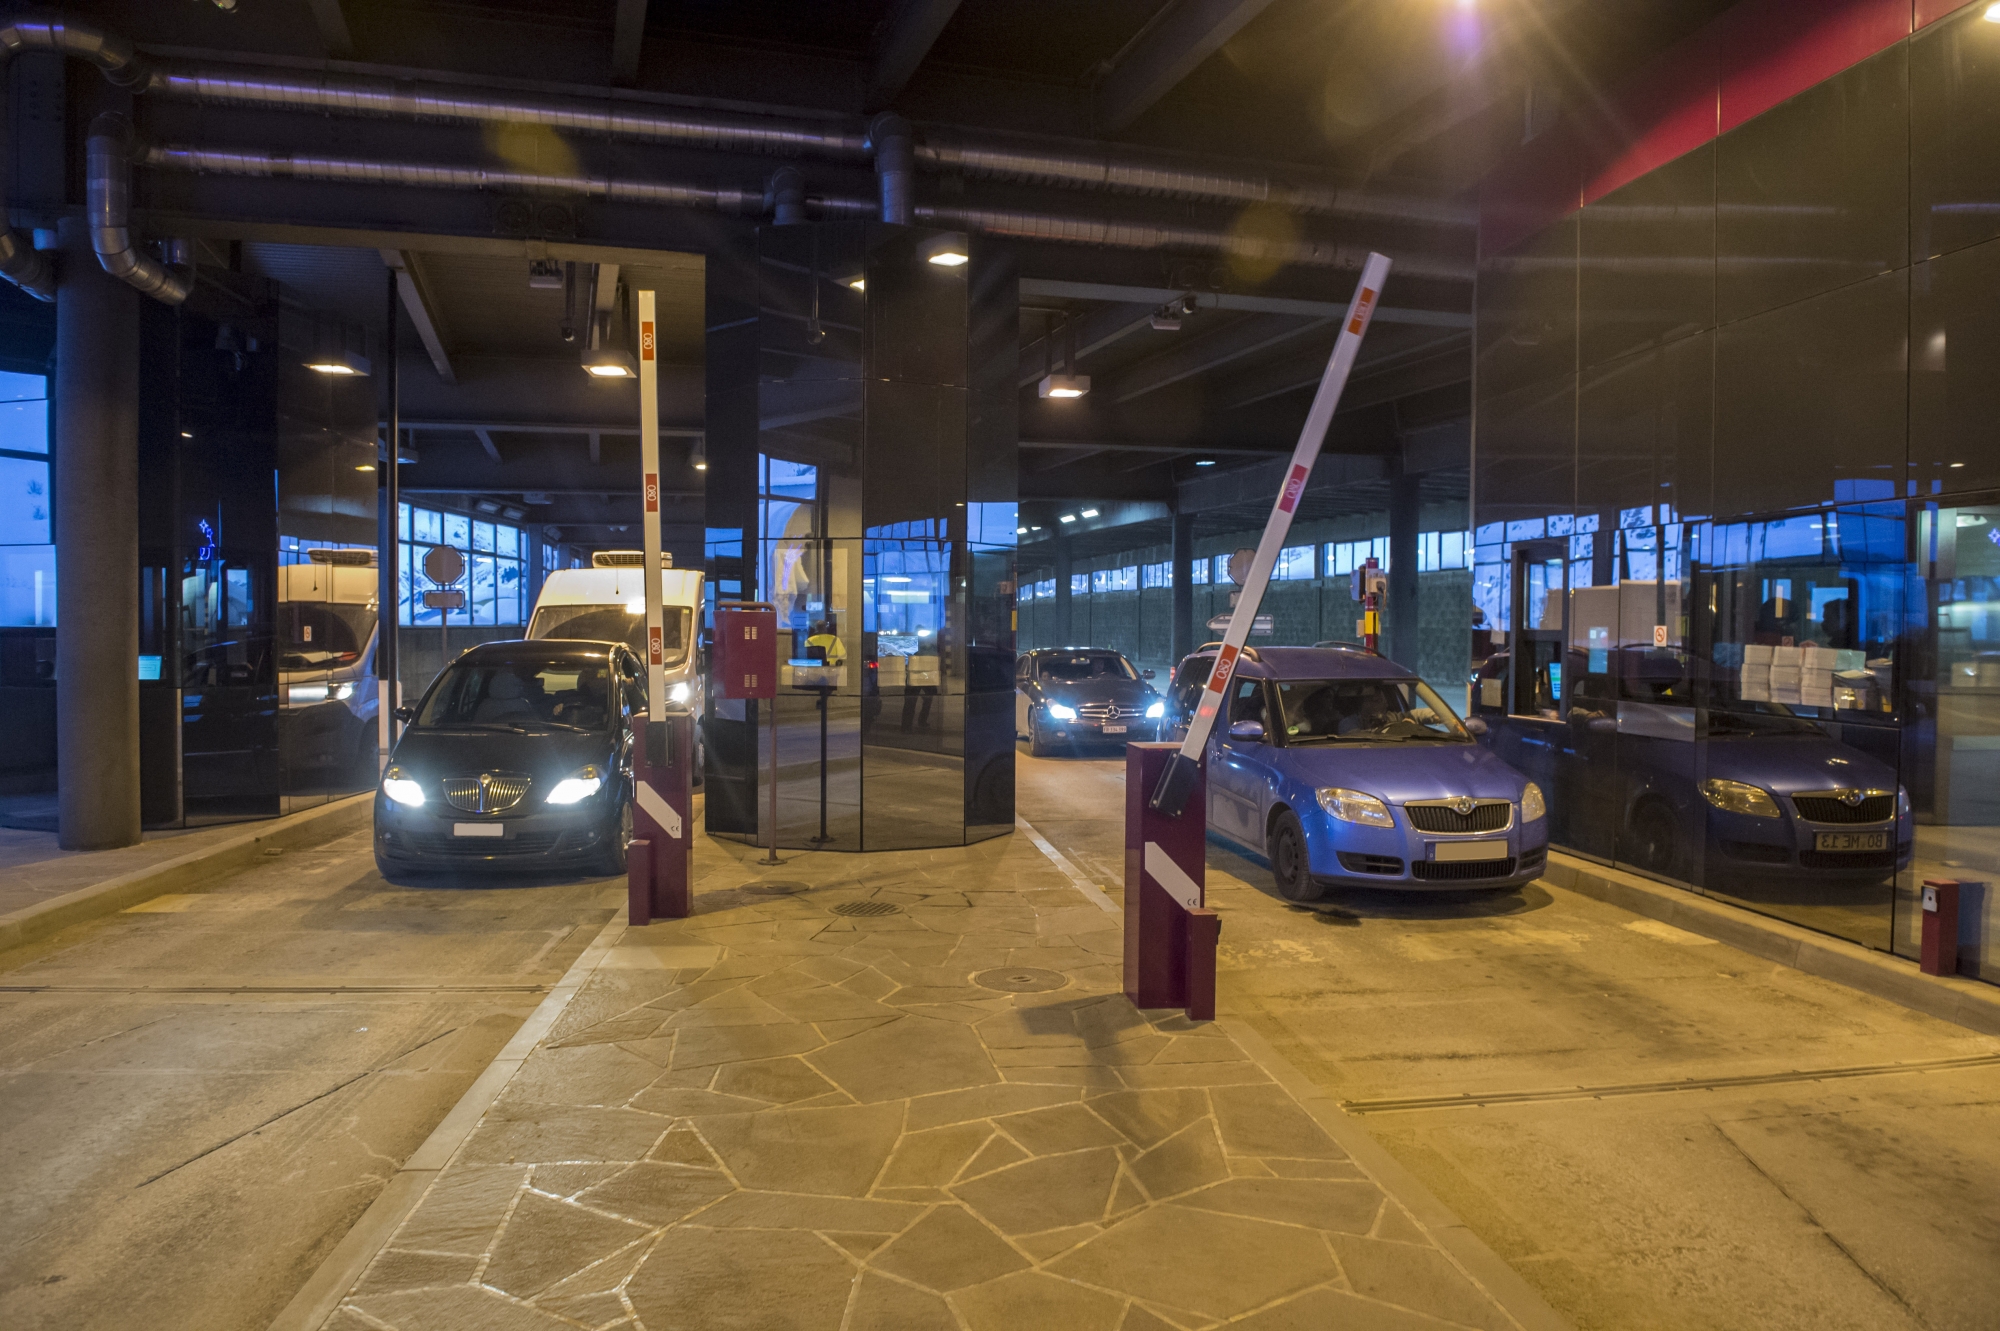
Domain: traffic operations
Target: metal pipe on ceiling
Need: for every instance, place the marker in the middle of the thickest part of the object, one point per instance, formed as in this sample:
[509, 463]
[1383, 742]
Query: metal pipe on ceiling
[942, 149]
[1054, 227]
[108, 197]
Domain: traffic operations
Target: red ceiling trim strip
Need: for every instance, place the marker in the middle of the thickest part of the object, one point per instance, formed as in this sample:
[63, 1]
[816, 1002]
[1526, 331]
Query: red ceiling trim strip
[1749, 60]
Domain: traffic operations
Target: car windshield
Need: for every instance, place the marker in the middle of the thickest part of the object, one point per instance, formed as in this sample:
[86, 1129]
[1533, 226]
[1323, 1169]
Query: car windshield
[1369, 710]
[321, 635]
[615, 623]
[520, 695]
[1087, 665]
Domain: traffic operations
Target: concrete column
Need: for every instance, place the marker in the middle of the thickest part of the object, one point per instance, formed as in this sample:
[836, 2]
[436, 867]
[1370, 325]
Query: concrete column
[1405, 511]
[1063, 634]
[1183, 558]
[97, 550]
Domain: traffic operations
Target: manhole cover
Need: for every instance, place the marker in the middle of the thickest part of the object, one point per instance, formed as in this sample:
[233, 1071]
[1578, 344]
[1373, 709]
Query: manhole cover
[866, 908]
[1020, 980]
[776, 888]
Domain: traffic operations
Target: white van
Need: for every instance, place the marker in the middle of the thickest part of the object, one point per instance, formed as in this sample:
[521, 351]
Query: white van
[327, 699]
[607, 603]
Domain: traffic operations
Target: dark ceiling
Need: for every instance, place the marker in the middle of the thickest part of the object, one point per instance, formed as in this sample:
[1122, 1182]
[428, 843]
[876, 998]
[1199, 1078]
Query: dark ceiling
[1407, 102]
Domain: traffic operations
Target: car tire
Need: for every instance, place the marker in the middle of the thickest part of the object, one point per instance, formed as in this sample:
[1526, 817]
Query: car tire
[1037, 745]
[1652, 834]
[1291, 866]
[613, 862]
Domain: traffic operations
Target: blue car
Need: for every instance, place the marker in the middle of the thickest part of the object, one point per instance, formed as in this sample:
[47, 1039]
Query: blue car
[1346, 770]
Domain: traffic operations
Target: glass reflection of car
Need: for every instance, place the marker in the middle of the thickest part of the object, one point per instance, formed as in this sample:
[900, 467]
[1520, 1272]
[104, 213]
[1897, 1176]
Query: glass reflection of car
[1346, 770]
[1067, 695]
[1774, 798]
[518, 757]
[327, 696]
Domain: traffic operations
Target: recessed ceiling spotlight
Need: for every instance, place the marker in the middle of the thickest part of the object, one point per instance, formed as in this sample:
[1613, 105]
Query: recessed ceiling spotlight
[610, 363]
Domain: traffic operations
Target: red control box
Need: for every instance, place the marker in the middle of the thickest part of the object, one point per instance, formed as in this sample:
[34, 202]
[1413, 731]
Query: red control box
[746, 650]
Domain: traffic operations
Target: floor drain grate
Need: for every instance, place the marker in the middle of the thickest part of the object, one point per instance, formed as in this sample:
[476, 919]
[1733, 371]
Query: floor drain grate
[1020, 980]
[866, 908]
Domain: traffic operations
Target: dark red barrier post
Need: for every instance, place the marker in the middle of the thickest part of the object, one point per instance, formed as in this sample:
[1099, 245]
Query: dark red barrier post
[1939, 953]
[639, 882]
[1169, 945]
[663, 817]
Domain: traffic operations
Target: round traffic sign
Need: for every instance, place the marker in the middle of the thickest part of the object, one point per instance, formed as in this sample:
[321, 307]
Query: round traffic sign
[444, 565]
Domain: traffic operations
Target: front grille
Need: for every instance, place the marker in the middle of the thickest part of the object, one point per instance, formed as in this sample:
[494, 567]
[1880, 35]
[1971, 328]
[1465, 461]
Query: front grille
[1461, 871]
[1370, 863]
[489, 792]
[1757, 852]
[1102, 712]
[1440, 816]
[1842, 806]
[479, 847]
[1852, 859]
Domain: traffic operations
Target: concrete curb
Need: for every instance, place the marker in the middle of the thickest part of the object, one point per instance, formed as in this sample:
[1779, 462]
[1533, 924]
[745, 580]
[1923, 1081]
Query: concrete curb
[328, 1285]
[1952, 998]
[1484, 1267]
[195, 869]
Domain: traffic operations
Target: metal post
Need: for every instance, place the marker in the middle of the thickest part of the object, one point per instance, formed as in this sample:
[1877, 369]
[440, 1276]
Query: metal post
[389, 559]
[649, 464]
[824, 694]
[772, 856]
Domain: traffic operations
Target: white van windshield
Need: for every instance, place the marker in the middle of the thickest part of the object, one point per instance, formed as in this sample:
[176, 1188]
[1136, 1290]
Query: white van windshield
[615, 623]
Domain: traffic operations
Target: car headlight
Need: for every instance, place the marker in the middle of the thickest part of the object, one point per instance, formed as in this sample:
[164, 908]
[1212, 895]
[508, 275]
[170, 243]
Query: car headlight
[401, 789]
[1533, 806]
[304, 695]
[1058, 712]
[1156, 711]
[1736, 797]
[576, 788]
[1351, 806]
[680, 692]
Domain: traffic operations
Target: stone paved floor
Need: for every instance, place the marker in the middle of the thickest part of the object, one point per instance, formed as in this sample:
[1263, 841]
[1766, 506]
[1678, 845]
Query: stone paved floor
[900, 1092]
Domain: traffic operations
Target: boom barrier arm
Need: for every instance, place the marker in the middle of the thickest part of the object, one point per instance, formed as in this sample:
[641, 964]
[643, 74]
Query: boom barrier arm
[1171, 794]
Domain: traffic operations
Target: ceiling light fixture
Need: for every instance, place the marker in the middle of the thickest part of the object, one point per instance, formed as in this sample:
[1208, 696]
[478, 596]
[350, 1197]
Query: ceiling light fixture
[609, 363]
[1067, 517]
[1993, 13]
[949, 256]
[343, 363]
[857, 283]
[1020, 531]
[1063, 385]
[366, 466]
[698, 455]
[1090, 512]
[185, 434]
[1204, 462]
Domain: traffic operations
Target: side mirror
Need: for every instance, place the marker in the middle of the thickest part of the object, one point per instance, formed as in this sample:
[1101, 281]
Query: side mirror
[405, 714]
[1475, 725]
[1145, 674]
[1247, 730]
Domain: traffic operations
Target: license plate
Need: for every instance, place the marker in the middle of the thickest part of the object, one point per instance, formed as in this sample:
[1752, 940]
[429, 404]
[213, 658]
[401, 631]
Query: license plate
[1839, 841]
[1468, 850]
[1114, 730]
[478, 829]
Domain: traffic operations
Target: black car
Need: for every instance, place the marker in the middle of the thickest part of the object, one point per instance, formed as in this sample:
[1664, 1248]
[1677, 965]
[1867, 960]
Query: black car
[518, 757]
[1068, 694]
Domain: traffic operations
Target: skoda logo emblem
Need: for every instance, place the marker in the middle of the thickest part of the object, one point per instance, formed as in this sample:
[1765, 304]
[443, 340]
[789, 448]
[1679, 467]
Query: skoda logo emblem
[1851, 798]
[1461, 806]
